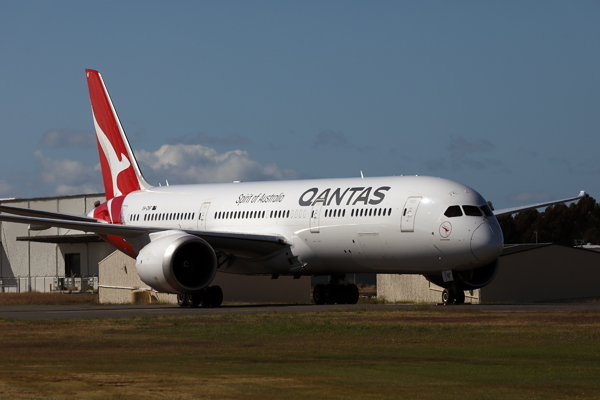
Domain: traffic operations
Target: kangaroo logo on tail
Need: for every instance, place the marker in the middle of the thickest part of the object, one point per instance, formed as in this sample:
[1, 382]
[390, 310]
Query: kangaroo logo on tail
[120, 171]
[116, 166]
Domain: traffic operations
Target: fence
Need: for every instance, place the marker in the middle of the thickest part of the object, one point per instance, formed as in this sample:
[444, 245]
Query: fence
[18, 284]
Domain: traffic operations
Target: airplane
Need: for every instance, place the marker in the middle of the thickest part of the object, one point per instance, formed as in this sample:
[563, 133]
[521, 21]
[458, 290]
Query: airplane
[182, 235]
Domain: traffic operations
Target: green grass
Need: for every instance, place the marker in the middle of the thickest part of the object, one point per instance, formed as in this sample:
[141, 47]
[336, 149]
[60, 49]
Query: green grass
[367, 354]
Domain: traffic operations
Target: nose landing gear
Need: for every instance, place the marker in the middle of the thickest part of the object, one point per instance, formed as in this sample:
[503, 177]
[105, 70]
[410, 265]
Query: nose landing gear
[453, 295]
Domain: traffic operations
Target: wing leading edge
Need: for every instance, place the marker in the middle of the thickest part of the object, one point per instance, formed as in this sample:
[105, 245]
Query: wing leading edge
[238, 243]
[509, 211]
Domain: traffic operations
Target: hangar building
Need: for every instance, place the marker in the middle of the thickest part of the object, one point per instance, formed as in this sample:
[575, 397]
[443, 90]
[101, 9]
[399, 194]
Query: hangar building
[527, 274]
[57, 258]
[33, 260]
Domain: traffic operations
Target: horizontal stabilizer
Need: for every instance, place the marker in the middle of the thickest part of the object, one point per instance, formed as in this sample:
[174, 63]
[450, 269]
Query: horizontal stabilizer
[28, 212]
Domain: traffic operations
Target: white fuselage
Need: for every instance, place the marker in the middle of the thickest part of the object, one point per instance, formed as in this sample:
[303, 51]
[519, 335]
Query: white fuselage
[353, 225]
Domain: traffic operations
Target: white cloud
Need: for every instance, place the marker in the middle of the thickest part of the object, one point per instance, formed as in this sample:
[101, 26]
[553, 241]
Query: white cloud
[68, 176]
[203, 138]
[180, 163]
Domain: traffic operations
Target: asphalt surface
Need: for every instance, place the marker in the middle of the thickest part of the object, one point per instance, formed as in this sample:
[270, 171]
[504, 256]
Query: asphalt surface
[126, 311]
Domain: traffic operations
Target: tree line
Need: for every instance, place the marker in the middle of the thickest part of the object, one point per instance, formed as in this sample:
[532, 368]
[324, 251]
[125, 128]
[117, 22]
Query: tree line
[560, 224]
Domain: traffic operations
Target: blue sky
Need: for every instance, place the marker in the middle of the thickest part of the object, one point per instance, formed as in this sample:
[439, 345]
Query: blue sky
[501, 96]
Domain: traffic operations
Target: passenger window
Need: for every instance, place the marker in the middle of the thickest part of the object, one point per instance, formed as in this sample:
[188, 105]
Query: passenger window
[453, 211]
[472, 211]
[389, 212]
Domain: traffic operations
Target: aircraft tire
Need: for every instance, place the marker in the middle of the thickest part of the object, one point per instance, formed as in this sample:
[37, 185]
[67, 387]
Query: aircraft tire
[319, 294]
[205, 302]
[194, 299]
[182, 300]
[448, 296]
[352, 294]
[342, 294]
[459, 297]
[215, 293]
[330, 294]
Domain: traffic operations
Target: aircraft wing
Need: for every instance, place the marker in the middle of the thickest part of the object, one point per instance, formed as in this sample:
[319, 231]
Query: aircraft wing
[244, 244]
[509, 211]
[44, 214]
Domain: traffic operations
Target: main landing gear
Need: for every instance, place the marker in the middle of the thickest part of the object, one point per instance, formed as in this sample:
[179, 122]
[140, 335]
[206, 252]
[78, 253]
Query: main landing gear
[453, 295]
[335, 293]
[211, 296]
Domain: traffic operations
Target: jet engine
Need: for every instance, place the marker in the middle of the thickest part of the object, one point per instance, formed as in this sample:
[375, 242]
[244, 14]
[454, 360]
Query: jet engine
[177, 263]
[468, 280]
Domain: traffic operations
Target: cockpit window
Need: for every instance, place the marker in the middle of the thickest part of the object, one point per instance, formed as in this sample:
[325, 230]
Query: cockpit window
[472, 211]
[453, 211]
[487, 210]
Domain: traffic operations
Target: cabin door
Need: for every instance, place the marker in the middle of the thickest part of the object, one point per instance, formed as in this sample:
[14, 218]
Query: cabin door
[202, 216]
[123, 216]
[408, 214]
[314, 218]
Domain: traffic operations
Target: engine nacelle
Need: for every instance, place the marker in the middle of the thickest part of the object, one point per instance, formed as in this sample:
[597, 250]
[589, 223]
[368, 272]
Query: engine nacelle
[177, 263]
[468, 280]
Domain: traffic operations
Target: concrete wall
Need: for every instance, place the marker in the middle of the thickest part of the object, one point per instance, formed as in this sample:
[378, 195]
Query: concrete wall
[545, 274]
[16, 260]
[30, 264]
[119, 270]
[414, 288]
[91, 254]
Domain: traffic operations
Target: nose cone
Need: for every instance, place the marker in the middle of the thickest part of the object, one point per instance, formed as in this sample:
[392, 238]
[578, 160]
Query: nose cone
[486, 242]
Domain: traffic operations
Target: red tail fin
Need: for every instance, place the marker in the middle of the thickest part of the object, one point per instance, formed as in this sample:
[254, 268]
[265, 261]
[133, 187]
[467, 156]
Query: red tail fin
[120, 170]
